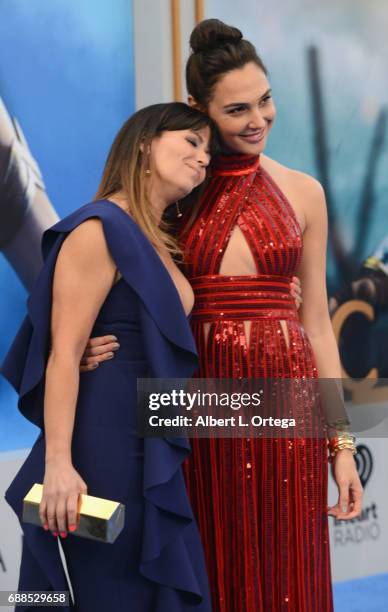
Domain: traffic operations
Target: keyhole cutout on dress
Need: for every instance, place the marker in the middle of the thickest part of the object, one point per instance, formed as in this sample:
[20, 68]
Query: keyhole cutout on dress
[238, 260]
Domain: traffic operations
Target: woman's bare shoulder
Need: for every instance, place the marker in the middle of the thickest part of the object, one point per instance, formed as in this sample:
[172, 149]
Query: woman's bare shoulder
[89, 235]
[296, 179]
[86, 246]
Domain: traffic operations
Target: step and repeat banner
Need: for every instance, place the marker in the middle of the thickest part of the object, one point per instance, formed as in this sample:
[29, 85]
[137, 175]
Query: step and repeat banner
[66, 86]
[359, 547]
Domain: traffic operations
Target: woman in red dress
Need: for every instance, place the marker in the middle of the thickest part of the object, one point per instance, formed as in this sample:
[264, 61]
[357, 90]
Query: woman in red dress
[261, 504]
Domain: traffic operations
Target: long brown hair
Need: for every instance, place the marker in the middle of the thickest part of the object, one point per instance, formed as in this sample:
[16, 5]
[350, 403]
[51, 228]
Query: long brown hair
[217, 48]
[128, 163]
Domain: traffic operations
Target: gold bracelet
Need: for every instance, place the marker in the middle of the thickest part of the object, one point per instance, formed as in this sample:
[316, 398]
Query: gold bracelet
[343, 441]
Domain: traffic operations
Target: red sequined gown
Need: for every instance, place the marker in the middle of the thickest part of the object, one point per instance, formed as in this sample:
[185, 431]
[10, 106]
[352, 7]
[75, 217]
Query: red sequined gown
[260, 503]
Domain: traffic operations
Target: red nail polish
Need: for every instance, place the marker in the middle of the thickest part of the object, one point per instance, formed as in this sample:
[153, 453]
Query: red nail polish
[45, 526]
[55, 534]
[63, 534]
[72, 527]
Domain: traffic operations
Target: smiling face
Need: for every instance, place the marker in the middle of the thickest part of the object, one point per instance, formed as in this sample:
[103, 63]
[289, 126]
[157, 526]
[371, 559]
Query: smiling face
[242, 107]
[179, 161]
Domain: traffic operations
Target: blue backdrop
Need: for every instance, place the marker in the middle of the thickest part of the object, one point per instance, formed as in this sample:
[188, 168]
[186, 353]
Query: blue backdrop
[67, 75]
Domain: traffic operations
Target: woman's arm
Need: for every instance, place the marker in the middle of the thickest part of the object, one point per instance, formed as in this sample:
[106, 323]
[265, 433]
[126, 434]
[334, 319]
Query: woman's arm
[314, 314]
[84, 274]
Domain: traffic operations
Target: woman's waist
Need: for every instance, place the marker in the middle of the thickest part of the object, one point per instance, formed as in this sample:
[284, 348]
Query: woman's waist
[128, 336]
[242, 297]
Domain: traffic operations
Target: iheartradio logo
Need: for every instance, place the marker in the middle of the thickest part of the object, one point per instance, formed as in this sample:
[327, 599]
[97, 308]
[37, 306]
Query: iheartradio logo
[364, 463]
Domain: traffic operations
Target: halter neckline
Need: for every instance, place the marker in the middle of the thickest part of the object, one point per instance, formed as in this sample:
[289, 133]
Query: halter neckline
[234, 165]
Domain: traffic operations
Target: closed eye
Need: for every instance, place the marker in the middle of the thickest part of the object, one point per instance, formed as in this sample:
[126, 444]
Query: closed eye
[193, 142]
[236, 109]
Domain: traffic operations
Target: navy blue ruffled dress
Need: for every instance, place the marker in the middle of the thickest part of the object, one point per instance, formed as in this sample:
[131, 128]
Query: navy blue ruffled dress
[156, 564]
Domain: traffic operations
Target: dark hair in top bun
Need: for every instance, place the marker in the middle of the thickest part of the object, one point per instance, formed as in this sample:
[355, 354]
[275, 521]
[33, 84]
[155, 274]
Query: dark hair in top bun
[216, 49]
[213, 33]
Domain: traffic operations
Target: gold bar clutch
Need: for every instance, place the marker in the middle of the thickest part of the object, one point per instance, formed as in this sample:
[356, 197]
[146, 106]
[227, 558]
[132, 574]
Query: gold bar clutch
[99, 519]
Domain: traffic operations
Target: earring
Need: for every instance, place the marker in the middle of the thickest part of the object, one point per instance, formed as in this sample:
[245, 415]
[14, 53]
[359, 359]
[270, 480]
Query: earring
[148, 171]
[179, 214]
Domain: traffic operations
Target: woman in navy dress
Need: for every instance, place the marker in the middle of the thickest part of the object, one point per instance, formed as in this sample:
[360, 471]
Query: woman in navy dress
[109, 266]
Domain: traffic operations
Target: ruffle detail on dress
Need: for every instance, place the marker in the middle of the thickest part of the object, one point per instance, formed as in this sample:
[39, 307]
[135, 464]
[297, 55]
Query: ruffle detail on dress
[171, 554]
[166, 558]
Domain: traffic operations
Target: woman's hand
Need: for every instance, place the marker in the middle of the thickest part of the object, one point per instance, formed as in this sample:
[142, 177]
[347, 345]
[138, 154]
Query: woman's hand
[349, 487]
[97, 350]
[62, 487]
[296, 291]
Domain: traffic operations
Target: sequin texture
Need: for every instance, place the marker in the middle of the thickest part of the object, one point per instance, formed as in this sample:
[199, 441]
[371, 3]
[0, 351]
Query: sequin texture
[260, 503]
